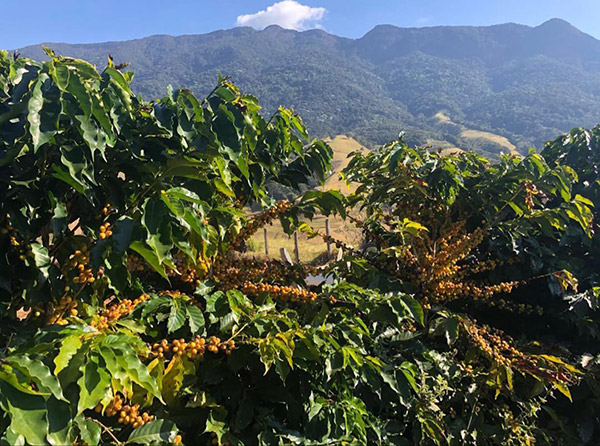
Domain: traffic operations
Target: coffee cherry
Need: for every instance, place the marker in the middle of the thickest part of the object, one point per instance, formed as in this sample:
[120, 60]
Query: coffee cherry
[283, 293]
[128, 415]
[116, 311]
[193, 349]
[105, 231]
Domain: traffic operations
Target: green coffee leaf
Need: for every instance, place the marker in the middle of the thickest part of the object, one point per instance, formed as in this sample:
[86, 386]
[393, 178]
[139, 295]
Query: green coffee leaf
[159, 431]
[94, 384]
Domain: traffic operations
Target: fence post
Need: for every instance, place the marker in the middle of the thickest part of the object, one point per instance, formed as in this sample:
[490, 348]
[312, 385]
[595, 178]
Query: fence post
[296, 250]
[285, 256]
[266, 241]
[328, 233]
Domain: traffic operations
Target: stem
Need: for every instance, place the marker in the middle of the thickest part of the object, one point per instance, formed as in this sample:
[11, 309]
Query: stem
[107, 430]
[233, 336]
[472, 414]
[143, 194]
[207, 97]
[515, 195]
[12, 334]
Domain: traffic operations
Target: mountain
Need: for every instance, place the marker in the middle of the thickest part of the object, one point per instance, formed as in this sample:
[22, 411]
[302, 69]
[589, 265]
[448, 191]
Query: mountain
[490, 88]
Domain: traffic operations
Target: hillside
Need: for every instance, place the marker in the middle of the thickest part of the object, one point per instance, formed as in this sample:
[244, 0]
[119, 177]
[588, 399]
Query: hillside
[520, 85]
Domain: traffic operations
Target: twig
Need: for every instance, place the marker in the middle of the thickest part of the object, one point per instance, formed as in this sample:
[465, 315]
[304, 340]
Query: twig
[234, 335]
[472, 414]
[10, 338]
[107, 430]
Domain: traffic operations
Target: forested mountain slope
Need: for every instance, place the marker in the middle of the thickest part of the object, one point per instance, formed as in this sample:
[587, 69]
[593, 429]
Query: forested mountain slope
[523, 83]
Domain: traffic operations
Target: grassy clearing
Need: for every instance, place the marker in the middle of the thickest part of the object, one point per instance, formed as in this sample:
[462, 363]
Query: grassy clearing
[342, 146]
[309, 249]
[341, 229]
[496, 139]
[470, 134]
[442, 118]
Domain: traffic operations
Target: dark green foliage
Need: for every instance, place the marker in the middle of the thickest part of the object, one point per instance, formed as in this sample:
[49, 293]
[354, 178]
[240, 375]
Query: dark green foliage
[147, 199]
[536, 218]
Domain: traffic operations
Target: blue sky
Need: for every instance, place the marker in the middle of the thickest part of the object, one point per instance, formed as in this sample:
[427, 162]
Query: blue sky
[79, 21]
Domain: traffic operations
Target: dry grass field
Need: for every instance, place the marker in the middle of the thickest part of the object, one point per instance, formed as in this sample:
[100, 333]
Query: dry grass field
[309, 249]
[341, 229]
[497, 139]
[470, 134]
[342, 146]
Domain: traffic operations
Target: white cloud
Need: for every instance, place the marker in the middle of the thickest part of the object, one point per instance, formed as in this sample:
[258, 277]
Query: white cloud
[288, 14]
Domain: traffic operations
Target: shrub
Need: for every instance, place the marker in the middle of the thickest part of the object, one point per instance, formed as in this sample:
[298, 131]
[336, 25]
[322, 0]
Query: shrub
[131, 315]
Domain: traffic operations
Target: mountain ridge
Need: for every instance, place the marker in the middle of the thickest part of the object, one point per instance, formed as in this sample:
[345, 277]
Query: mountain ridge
[554, 20]
[522, 83]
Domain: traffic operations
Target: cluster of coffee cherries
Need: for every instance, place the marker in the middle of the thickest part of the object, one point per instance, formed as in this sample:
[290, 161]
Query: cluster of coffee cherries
[403, 264]
[408, 325]
[79, 262]
[128, 414]
[174, 294]
[215, 344]
[436, 266]
[136, 264]
[498, 346]
[259, 221]
[280, 292]
[214, 441]
[139, 267]
[193, 349]
[521, 308]
[450, 249]
[233, 271]
[494, 344]
[183, 274]
[67, 306]
[107, 209]
[468, 369]
[22, 249]
[116, 311]
[187, 273]
[105, 230]
[338, 244]
[448, 290]
[485, 265]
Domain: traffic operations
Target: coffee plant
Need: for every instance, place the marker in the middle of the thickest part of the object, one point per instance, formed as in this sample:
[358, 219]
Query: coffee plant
[503, 259]
[132, 315]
